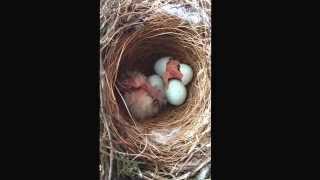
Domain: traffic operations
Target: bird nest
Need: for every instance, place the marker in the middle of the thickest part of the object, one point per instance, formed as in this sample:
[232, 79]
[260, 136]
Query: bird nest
[176, 143]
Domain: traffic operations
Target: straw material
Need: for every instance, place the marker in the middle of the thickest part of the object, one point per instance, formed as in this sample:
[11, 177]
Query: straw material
[133, 35]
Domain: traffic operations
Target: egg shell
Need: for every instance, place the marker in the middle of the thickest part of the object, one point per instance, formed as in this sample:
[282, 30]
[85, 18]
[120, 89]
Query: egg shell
[160, 65]
[176, 92]
[156, 81]
[187, 73]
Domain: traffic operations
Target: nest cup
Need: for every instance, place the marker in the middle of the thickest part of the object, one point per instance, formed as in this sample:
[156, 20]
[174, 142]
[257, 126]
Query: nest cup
[137, 47]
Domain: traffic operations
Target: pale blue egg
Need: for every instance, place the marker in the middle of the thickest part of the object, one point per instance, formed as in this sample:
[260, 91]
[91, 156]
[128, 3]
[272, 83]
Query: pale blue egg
[160, 65]
[187, 73]
[156, 81]
[176, 93]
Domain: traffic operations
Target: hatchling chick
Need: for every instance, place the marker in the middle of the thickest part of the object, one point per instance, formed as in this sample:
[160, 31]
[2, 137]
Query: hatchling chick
[172, 71]
[142, 99]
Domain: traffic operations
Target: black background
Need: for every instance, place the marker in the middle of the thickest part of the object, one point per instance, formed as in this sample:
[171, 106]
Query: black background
[263, 101]
[266, 97]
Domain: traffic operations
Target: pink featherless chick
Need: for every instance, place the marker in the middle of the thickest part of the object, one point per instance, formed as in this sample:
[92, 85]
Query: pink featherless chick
[172, 71]
[142, 99]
